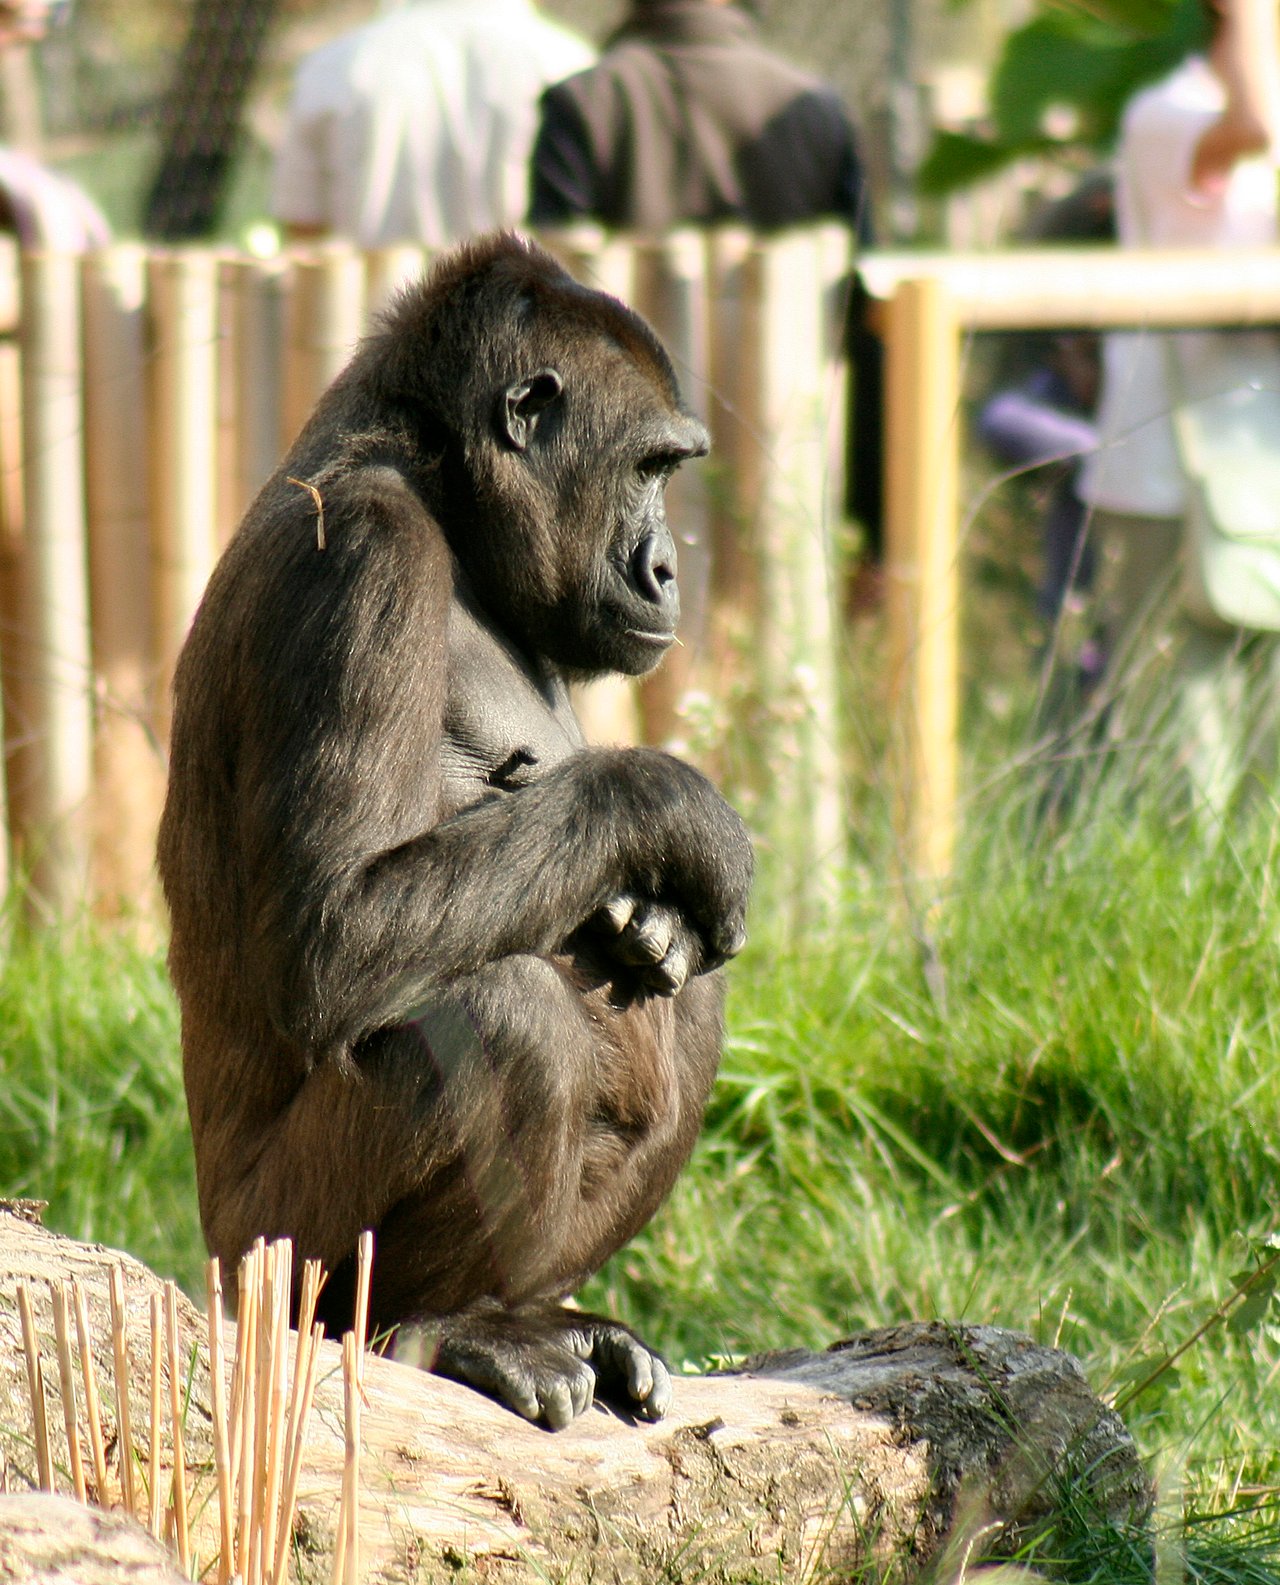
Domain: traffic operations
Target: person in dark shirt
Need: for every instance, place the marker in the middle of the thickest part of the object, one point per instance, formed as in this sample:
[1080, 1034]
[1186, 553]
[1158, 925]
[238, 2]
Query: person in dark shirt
[688, 119]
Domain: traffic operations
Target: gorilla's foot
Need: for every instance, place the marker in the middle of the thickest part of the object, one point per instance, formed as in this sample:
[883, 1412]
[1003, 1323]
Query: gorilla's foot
[542, 1360]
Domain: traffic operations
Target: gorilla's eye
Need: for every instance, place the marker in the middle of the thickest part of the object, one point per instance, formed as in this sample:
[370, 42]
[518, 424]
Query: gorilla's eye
[661, 465]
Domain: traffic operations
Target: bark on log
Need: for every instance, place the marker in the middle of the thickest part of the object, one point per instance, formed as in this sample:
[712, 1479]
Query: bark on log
[880, 1446]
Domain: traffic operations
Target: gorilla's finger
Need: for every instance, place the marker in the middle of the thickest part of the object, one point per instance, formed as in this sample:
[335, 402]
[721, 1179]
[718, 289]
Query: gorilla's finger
[630, 1365]
[653, 1404]
[507, 1383]
[565, 1390]
[668, 977]
[583, 1391]
[557, 1405]
[648, 937]
[617, 913]
[653, 933]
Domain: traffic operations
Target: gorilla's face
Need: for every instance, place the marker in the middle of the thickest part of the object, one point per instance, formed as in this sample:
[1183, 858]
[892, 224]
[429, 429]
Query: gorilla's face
[574, 536]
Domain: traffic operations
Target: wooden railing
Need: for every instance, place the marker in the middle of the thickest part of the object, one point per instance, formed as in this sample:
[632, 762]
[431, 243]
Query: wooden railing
[927, 304]
[146, 395]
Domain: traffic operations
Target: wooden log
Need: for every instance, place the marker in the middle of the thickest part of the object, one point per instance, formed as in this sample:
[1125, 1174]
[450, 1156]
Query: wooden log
[128, 767]
[734, 473]
[796, 386]
[182, 427]
[59, 663]
[800, 1463]
[1098, 288]
[254, 293]
[46, 1540]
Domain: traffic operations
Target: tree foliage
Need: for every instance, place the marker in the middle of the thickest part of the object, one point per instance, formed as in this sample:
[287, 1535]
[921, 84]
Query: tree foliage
[1084, 57]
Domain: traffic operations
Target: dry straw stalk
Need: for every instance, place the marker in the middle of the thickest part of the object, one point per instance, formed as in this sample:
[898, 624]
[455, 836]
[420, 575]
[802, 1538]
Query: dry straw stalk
[124, 1416]
[35, 1383]
[179, 1484]
[84, 1341]
[67, 1382]
[259, 1423]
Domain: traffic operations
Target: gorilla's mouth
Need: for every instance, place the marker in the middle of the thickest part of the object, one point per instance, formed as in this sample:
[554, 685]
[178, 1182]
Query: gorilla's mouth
[643, 635]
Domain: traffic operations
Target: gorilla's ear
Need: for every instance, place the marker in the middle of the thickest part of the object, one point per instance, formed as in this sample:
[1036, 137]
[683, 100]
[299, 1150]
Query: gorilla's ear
[524, 403]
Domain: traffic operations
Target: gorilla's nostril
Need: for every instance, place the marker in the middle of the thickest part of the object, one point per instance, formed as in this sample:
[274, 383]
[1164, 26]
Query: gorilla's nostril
[653, 567]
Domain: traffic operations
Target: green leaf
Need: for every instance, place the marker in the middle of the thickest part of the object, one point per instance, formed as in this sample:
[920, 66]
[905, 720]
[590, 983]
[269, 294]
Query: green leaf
[956, 160]
[1139, 18]
[1089, 55]
[1250, 1312]
[1255, 1284]
[1143, 1370]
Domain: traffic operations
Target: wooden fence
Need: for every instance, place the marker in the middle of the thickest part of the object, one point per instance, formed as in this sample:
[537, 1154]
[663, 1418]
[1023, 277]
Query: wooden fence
[928, 303]
[145, 396]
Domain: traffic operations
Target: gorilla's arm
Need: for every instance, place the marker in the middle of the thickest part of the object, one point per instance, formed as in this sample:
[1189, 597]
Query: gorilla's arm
[457, 896]
[352, 932]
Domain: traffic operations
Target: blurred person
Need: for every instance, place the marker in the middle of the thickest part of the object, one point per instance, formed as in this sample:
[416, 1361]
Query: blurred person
[1044, 417]
[1195, 167]
[1041, 410]
[417, 126]
[688, 118]
[26, 21]
[46, 210]
[38, 206]
[1040, 418]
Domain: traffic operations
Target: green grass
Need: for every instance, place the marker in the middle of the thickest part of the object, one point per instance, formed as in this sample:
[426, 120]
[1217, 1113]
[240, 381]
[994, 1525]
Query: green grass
[1061, 1115]
[1073, 1140]
[92, 1115]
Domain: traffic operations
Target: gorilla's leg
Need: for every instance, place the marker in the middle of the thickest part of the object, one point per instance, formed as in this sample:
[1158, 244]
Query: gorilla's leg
[549, 1172]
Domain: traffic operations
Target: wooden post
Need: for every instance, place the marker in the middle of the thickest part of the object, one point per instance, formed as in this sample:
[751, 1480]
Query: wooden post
[835, 285]
[12, 514]
[254, 292]
[922, 396]
[734, 469]
[128, 766]
[389, 269]
[671, 292]
[324, 319]
[798, 385]
[183, 303]
[57, 840]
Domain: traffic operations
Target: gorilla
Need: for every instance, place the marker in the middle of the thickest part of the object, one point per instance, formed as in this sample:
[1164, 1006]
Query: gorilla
[445, 971]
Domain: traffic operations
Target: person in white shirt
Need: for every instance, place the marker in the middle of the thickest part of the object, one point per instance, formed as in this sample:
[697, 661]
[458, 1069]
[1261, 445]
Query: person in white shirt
[418, 126]
[1194, 168]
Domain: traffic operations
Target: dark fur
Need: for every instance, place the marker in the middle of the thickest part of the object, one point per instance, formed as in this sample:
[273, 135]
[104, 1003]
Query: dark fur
[445, 971]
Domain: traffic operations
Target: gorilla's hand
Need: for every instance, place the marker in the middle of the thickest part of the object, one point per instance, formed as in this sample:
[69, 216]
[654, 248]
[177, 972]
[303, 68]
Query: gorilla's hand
[686, 895]
[652, 938]
[544, 1361]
